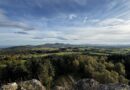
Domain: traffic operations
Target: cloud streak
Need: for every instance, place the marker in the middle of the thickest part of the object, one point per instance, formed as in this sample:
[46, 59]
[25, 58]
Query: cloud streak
[23, 33]
[107, 31]
[69, 21]
[7, 23]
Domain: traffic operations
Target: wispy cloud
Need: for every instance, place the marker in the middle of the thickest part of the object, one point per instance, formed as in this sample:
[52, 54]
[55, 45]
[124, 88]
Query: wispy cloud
[7, 23]
[18, 25]
[72, 16]
[85, 19]
[71, 21]
[23, 33]
[105, 31]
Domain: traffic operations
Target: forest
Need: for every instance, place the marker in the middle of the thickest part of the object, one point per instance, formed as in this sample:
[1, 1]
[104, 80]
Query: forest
[53, 65]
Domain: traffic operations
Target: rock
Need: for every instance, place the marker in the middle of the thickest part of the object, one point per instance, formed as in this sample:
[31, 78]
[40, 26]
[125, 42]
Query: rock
[10, 86]
[114, 87]
[90, 84]
[59, 88]
[86, 84]
[31, 85]
[25, 85]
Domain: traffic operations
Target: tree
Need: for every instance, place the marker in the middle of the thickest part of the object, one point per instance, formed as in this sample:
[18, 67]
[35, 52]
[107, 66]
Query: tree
[33, 67]
[46, 73]
[120, 68]
[122, 79]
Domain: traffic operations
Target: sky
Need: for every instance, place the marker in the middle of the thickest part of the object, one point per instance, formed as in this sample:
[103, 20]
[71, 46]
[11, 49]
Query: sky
[33, 22]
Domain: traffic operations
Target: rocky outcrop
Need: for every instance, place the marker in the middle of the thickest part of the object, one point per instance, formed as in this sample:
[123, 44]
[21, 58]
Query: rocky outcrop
[10, 86]
[25, 85]
[84, 84]
[90, 84]
[31, 85]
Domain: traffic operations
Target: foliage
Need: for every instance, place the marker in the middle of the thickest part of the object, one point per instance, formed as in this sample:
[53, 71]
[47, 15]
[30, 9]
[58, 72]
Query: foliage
[48, 65]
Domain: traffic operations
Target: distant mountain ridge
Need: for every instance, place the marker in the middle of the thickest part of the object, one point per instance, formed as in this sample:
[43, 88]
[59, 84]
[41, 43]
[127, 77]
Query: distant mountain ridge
[62, 45]
[48, 45]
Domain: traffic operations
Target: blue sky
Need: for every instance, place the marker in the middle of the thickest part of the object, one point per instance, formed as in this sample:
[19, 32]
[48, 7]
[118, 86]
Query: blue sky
[35, 22]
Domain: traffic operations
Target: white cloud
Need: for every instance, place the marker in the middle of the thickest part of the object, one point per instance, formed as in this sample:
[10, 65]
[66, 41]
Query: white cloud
[85, 19]
[78, 29]
[72, 16]
[111, 22]
[102, 33]
[107, 31]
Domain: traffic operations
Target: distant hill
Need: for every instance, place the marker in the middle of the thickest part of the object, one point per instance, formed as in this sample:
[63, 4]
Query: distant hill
[62, 45]
[55, 45]
[2, 46]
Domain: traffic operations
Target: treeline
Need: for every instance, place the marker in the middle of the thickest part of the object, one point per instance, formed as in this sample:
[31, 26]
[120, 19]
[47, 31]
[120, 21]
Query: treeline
[27, 51]
[105, 69]
[12, 51]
